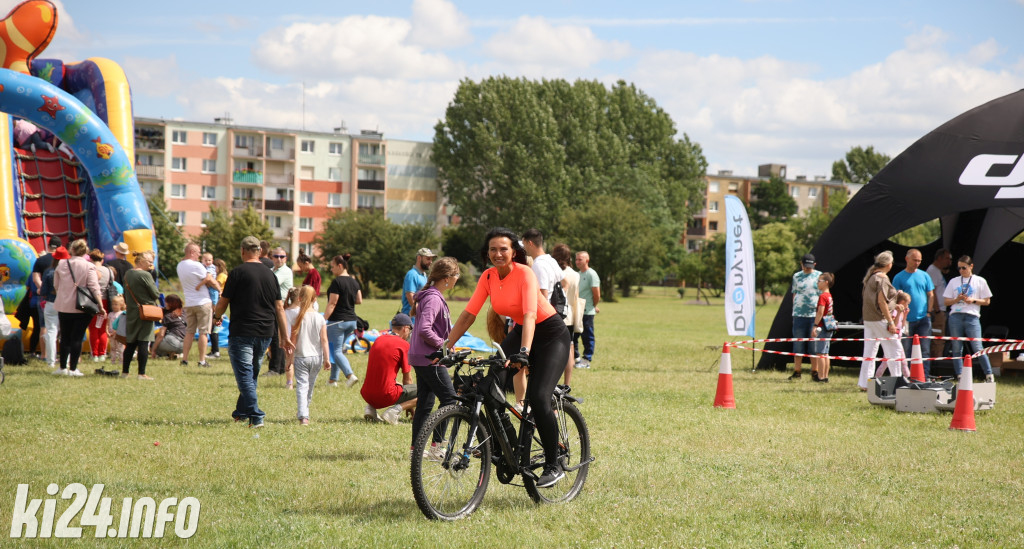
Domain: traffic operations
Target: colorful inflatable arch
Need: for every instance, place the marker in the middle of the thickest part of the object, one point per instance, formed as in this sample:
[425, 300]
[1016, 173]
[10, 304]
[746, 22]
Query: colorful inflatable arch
[86, 105]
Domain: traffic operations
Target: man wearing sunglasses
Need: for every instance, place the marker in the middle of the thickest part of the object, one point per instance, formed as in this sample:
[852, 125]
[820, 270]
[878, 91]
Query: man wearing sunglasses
[285, 281]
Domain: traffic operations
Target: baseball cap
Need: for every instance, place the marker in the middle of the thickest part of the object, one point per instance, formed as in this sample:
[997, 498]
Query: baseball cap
[425, 252]
[401, 319]
[251, 244]
[808, 260]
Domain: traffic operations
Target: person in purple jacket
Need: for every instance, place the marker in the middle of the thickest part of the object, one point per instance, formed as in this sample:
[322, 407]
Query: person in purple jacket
[433, 324]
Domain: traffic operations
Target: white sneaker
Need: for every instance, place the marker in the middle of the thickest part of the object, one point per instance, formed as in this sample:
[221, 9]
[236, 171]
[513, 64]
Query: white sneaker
[434, 452]
[990, 379]
[392, 414]
[75, 373]
[352, 380]
[60, 372]
[370, 414]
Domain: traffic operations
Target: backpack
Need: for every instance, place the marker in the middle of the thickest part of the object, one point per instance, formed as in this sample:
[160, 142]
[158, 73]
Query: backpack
[558, 300]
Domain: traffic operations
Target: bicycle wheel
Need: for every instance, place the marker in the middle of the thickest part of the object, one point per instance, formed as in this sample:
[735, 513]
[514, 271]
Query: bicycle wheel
[449, 483]
[573, 454]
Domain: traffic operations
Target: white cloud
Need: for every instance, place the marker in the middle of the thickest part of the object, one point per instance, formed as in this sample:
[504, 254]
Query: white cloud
[356, 45]
[533, 46]
[776, 111]
[438, 24]
[153, 77]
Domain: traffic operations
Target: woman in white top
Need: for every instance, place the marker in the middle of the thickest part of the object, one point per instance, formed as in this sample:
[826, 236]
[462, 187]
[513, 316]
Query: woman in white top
[309, 332]
[964, 297]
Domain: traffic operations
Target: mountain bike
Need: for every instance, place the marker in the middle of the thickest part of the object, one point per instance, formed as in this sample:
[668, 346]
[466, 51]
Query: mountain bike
[459, 443]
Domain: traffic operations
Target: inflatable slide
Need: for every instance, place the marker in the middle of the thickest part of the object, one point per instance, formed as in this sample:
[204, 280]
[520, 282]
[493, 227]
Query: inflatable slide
[86, 186]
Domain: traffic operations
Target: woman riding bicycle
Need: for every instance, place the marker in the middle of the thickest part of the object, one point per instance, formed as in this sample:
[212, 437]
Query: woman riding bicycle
[538, 341]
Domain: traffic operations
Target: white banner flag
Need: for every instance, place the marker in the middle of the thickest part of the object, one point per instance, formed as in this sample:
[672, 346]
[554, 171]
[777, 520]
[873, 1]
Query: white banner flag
[739, 269]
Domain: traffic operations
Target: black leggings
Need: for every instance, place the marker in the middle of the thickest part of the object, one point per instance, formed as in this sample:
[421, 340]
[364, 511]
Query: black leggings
[548, 355]
[129, 350]
[72, 332]
[431, 381]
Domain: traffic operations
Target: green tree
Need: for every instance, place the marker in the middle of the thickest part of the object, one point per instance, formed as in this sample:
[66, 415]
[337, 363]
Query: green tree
[859, 165]
[381, 251]
[772, 202]
[520, 153]
[224, 232]
[170, 243]
[775, 258]
[463, 243]
[623, 244]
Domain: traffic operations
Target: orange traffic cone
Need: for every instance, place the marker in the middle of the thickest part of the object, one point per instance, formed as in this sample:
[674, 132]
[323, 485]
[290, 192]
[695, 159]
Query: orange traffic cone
[963, 413]
[916, 364]
[724, 397]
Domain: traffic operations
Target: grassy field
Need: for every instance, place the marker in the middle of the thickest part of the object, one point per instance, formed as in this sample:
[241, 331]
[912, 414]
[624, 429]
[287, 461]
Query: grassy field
[795, 465]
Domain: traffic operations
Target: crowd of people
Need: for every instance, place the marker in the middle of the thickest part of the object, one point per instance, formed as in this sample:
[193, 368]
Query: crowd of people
[540, 310]
[893, 310]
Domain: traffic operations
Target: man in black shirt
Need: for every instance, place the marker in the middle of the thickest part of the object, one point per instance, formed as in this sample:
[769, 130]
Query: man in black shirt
[256, 311]
[120, 262]
[44, 261]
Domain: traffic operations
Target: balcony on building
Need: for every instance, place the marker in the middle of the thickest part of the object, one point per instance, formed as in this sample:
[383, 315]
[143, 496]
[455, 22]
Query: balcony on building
[247, 176]
[149, 138]
[279, 205]
[370, 208]
[243, 203]
[372, 159]
[281, 154]
[287, 179]
[370, 185]
[696, 231]
[254, 151]
[149, 172]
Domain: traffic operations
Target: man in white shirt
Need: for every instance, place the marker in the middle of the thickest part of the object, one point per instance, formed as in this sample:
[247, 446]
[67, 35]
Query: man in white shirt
[195, 280]
[544, 266]
[943, 259]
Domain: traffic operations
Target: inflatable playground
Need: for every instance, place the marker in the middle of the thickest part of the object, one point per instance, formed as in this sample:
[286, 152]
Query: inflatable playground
[68, 170]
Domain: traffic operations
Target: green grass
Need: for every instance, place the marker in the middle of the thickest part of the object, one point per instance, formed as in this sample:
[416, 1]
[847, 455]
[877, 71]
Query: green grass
[796, 464]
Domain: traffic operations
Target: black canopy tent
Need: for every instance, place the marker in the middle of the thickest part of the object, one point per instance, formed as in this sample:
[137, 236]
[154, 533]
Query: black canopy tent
[969, 174]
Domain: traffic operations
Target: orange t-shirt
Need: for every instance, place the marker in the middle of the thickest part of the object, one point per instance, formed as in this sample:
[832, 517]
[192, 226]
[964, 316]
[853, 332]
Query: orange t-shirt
[512, 296]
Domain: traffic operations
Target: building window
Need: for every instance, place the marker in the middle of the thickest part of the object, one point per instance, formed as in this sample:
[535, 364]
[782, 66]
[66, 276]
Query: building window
[712, 225]
[306, 248]
[274, 221]
[713, 187]
[209, 139]
[306, 198]
[334, 174]
[305, 223]
[692, 245]
[795, 191]
[209, 193]
[308, 146]
[204, 218]
[177, 191]
[370, 175]
[335, 148]
[812, 192]
[144, 159]
[713, 206]
[733, 187]
[245, 141]
[334, 200]
[178, 217]
[179, 137]
[179, 164]
[209, 165]
[276, 143]
[367, 200]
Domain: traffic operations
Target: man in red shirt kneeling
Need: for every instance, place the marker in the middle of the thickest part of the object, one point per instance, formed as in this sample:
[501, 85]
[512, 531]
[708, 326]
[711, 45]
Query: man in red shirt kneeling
[389, 355]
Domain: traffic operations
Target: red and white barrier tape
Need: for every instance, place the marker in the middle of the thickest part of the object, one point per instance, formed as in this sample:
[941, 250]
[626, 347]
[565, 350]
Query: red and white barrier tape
[1010, 345]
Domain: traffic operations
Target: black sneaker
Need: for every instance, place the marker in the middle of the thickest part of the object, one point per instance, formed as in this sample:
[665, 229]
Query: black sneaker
[203, 364]
[552, 474]
[184, 363]
[796, 375]
[814, 376]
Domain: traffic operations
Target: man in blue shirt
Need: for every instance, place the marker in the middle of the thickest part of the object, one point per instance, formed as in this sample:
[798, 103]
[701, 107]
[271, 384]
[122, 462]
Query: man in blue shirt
[919, 285]
[416, 278]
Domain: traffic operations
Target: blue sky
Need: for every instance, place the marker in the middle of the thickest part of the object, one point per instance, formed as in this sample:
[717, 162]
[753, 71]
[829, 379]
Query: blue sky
[760, 81]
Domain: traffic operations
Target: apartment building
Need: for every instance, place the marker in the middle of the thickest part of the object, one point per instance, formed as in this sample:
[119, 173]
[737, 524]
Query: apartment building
[295, 179]
[710, 221]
